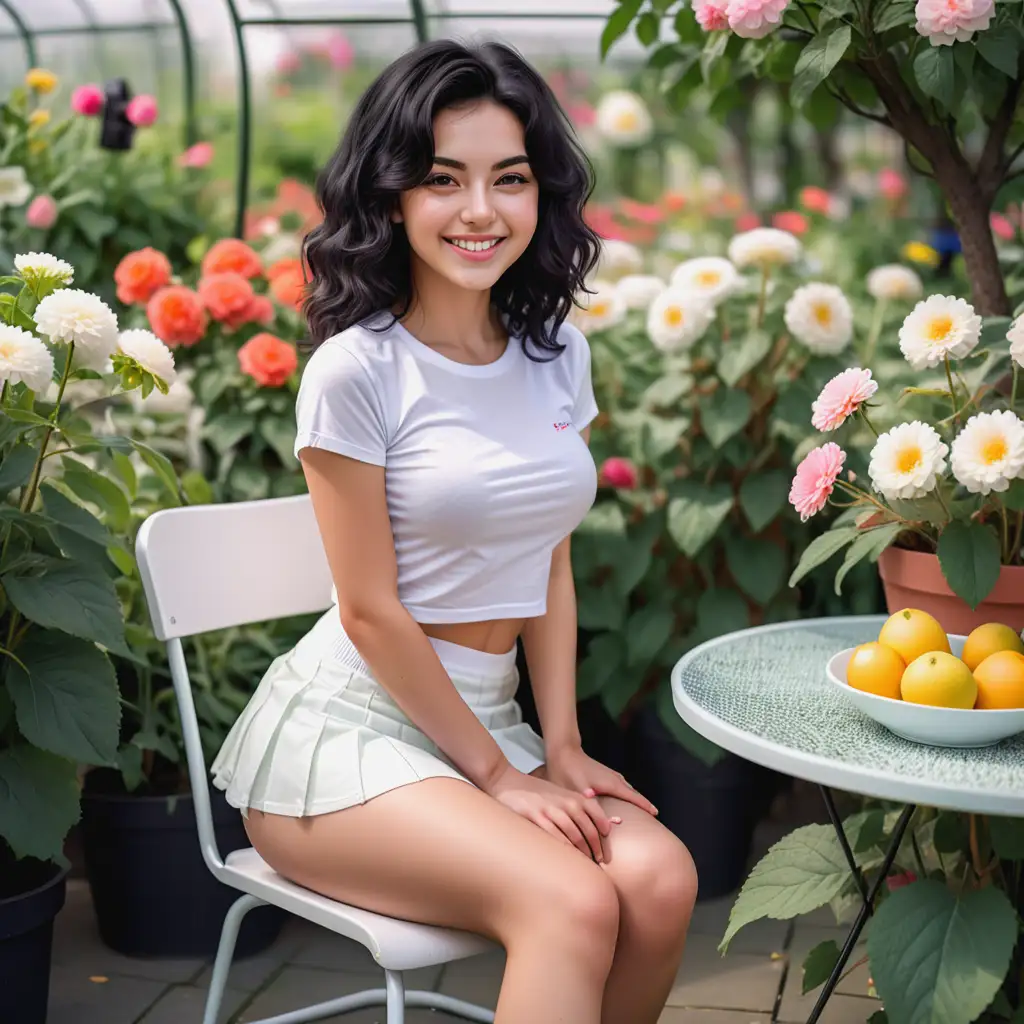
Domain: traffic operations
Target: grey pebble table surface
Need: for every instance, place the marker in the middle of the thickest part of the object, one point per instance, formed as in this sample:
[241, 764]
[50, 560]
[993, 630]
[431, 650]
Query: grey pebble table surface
[762, 694]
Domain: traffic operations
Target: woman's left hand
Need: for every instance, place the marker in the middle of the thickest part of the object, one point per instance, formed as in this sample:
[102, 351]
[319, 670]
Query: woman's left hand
[572, 769]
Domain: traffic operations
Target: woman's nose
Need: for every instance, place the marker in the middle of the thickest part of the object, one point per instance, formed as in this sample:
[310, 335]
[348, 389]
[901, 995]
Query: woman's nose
[478, 208]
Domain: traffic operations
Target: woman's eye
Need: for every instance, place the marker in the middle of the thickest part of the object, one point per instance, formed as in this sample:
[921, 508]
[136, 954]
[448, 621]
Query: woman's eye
[440, 179]
[512, 179]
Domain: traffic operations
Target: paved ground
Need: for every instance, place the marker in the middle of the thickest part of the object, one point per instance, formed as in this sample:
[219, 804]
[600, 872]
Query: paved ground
[757, 982]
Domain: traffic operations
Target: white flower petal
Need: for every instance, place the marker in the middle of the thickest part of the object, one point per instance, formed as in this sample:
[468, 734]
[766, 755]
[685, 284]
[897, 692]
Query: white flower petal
[71, 315]
[820, 317]
[907, 461]
[989, 452]
[149, 352]
[676, 319]
[24, 359]
[712, 277]
[939, 326]
[764, 247]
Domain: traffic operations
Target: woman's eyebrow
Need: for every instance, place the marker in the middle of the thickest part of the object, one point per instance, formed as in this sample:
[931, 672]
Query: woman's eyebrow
[510, 161]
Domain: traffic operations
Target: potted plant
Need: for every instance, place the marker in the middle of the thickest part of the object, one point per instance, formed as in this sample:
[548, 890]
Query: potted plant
[60, 616]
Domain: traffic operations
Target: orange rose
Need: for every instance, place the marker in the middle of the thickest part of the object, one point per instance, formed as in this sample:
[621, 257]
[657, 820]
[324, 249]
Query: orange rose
[289, 286]
[228, 298]
[261, 310]
[229, 255]
[176, 315]
[140, 274]
[275, 270]
[268, 360]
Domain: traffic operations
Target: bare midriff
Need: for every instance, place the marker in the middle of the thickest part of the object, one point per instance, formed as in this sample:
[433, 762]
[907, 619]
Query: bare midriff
[495, 637]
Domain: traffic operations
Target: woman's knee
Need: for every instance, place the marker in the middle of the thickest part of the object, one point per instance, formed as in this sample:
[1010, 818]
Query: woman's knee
[656, 882]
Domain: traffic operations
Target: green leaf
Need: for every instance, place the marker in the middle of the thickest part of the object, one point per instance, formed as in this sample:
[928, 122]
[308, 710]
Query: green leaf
[950, 833]
[16, 468]
[763, 497]
[73, 517]
[816, 61]
[821, 549]
[26, 416]
[801, 872]
[1007, 837]
[162, 467]
[1000, 46]
[937, 957]
[870, 544]
[196, 487]
[724, 414]
[719, 611]
[68, 703]
[667, 55]
[661, 435]
[600, 608]
[757, 566]
[1013, 496]
[935, 73]
[38, 801]
[12, 313]
[740, 357]
[605, 657]
[686, 736]
[819, 965]
[715, 45]
[696, 513]
[100, 491]
[969, 559]
[618, 22]
[647, 28]
[667, 390]
[893, 15]
[604, 518]
[647, 631]
[74, 598]
[279, 433]
[225, 431]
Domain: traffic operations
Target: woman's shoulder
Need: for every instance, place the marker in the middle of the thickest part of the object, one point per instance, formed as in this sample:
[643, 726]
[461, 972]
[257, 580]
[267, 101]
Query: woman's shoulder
[369, 344]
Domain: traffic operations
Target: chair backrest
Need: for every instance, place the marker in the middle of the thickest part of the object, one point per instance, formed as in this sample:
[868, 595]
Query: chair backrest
[208, 567]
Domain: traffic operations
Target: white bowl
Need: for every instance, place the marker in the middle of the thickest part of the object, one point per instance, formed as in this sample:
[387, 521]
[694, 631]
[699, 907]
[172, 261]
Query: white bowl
[937, 727]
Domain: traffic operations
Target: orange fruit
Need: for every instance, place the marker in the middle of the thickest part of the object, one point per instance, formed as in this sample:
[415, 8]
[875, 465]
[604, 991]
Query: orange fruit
[940, 680]
[911, 633]
[1001, 681]
[875, 668]
[986, 640]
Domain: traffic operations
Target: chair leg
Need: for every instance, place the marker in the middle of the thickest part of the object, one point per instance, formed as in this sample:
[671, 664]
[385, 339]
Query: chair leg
[225, 953]
[395, 984]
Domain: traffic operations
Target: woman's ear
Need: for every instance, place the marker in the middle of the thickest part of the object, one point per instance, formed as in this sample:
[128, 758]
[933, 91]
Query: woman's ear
[396, 215]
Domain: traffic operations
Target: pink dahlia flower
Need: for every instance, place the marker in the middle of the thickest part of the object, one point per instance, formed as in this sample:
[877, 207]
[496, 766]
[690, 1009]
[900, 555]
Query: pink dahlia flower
[41, 212]
[754, 19]
[711, 14]
[142, 110]
[87, 100]
[815, 478]
[947, 21]
[198, 155]
[841, 397]
[619, 473]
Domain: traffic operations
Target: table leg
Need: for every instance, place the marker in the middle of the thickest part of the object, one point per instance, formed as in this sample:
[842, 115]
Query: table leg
[867, 893]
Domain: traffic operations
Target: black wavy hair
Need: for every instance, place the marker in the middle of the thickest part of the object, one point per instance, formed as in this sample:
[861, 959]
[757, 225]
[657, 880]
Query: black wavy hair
[359, 259]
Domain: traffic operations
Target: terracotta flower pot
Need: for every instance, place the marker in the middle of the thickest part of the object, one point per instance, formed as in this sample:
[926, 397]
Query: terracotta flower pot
[912, 579]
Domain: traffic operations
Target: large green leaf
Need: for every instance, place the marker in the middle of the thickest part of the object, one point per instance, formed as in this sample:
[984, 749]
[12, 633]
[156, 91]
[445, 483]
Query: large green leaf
[661, 435]
[721, 610]
[600, 608]
[742, 355]
[757, 566]
[38, 801]
[279, 433]
[724, 414]
[801, 872]
[73, 598]
[1007, 837]
[618, 23]
[1000, 46]
[667, 390]
[103, 492]
[936, 73]
[817, 60]
[937, 958]
[647, 631]
[763, 497]
[16, 468]
[969, 559]
[868, 544]
[68, 701]
[696, 513]
[819, 965]
[162, 467]
[604, 659]
[821, 549]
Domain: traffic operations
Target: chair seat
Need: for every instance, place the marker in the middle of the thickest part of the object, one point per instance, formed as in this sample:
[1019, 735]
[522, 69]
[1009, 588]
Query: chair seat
[395, 944]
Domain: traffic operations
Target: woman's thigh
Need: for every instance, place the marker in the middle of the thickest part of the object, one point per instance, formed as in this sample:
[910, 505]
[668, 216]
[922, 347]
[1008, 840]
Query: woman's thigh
[438, 852]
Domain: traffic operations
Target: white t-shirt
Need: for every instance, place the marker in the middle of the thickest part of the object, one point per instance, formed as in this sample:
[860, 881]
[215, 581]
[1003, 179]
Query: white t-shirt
[485, 469]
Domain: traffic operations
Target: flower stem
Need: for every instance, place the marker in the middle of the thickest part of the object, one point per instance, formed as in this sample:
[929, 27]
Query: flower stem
[942, 502]
[864, 417]
[1018, 536]
[29, 495]
[1013, 390]
[952, 392]
[763, 296]
[876, 329]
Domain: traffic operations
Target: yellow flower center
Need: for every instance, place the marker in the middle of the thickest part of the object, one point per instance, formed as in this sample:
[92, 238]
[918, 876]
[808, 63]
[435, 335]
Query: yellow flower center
[938, 329]
[823, 314]
[909, 459]
[674, 316]
[995, 450]
[708, 278]
[626, 120]
[599, 309]
[6, 350]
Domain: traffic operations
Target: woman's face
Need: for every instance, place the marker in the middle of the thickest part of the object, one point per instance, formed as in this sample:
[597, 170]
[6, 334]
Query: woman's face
[476, 212]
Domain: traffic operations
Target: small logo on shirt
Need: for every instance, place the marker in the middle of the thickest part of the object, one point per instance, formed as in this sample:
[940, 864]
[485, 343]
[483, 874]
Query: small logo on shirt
[563, 425]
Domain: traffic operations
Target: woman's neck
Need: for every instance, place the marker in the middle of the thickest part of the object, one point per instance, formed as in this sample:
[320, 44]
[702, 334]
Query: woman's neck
[443, 314]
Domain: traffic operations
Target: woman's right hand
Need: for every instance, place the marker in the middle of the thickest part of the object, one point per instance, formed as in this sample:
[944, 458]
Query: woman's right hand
[573, 819]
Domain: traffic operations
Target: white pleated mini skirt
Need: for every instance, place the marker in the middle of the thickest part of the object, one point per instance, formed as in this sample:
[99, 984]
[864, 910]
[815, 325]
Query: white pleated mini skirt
[319, 735]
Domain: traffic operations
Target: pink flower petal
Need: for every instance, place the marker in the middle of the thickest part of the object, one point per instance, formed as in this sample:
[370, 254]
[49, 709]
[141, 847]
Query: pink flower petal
[815, 479]
[841, 397]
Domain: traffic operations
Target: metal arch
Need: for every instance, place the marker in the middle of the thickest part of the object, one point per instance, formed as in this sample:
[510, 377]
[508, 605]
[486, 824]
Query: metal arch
[188, 68]
[23, 30]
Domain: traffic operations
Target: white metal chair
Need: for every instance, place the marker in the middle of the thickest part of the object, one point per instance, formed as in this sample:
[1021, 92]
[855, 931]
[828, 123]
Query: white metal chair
[209, 567]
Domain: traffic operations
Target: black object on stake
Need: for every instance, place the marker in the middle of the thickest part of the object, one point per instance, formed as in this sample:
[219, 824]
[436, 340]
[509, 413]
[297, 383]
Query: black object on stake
[116, 132]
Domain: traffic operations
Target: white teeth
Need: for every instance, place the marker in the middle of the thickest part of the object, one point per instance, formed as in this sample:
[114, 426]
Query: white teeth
[474, 246]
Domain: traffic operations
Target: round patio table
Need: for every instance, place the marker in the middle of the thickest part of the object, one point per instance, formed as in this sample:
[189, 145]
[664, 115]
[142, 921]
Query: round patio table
[762, 694]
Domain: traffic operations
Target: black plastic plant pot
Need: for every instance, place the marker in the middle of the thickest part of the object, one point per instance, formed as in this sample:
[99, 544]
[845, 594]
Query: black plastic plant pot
[26, 942]
[153, 894]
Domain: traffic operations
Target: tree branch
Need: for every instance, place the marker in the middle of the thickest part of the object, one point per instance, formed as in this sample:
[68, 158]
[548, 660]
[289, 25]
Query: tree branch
[848, 102]
[910, 162]
[992, 165]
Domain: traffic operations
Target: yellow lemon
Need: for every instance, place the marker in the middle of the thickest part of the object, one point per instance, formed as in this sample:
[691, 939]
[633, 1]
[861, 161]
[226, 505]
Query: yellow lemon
[986, 640]
[1000, 679]
[911, 633]
[940, 680]
[877, 669]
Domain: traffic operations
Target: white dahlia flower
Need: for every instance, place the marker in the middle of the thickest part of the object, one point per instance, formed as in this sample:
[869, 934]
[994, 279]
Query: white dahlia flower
[623, 120]
[939, 326]
[906, 461]
[149, 352]
[764, 248]
[72, 315]
[712, 277]
[989, 452]
[676, 319]
[617, 259]
[1015, 336]
[639, 290]
[41, 266]
[820, 317]
[600, 308]
[15, 189]
[24, 359]
[894, 282]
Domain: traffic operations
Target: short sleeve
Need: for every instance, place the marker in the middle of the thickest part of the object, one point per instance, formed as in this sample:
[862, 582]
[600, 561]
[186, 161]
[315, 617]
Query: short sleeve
[338, 408]
[585, 406]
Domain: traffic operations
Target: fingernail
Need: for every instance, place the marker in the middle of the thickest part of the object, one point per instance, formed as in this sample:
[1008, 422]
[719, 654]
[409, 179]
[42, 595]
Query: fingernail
[618, 821]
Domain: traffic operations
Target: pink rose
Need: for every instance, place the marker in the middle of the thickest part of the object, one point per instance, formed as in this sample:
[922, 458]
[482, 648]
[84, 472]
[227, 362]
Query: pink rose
[198, 155]
[891, 183]
[340, 52]
[618, 473]
[754, 19]
[87, 100]
[841, 397]
[711, 15]
[142, 110]
[894, 882]
[815, 479]
[947, 21]
[41, 213]
[815, 199]
[1002, 227]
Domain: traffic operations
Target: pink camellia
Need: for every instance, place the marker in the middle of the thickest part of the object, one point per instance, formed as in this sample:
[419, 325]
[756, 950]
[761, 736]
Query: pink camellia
[340, 52]
[41, 213]
[792, 221]
[1002, 227]
[142, 110]
[87, 100]
[198, 155]
[754, 19]
[894, 882]
[711, 14]
[815, 200]
[945, 22]
[891, 184]
[618, 473]
[815, 478]
[841, 397]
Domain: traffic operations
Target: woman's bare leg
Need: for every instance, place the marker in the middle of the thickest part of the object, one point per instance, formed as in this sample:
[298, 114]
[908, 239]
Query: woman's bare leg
[442, 852]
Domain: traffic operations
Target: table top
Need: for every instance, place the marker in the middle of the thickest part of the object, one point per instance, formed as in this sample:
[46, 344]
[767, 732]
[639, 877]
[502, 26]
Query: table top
[762, 694]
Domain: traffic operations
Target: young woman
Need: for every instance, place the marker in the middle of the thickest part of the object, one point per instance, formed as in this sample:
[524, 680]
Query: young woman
[442, 429]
